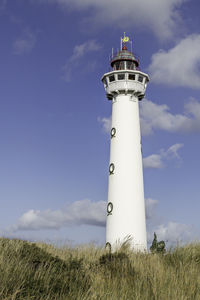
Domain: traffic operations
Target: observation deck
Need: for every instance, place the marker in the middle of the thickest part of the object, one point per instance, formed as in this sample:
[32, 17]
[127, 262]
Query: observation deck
[125, 77]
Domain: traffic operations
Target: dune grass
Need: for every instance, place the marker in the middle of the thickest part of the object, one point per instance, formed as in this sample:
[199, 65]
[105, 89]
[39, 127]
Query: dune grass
[42, 271]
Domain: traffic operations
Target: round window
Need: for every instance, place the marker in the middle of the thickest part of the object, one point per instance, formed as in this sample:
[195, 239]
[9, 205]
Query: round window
[109, 207]
[111, 168]
[113, 132]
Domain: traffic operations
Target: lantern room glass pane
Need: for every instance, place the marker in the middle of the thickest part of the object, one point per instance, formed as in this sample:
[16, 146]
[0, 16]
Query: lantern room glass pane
[117, 65]
[122, 65]
[130, 65]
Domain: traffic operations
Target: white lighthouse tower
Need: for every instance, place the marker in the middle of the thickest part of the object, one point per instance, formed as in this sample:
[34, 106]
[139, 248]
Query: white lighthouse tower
[125, 86]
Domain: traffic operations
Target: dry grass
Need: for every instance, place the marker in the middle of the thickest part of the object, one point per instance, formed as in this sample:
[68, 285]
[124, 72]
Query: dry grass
[41, 271]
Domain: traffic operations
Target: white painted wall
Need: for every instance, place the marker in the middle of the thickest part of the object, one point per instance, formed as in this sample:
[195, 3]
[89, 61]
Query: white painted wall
[125, 189]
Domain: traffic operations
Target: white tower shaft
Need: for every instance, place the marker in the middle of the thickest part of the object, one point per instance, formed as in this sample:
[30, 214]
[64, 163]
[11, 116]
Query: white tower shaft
[125, 85]
[125, 190]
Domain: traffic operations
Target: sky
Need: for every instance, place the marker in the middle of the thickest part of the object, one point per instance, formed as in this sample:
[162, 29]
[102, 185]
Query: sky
[55, 118]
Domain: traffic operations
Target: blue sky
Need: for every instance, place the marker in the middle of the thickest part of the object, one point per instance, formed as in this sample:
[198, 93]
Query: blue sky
[54, 116]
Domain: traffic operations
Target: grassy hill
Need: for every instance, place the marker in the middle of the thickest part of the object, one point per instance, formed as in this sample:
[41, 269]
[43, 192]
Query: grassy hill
[41, 271]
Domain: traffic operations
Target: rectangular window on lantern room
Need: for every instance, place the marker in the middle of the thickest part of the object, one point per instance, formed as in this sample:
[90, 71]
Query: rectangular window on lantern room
[140, 78]
[131, 76]
[121, 76]
[111, 78]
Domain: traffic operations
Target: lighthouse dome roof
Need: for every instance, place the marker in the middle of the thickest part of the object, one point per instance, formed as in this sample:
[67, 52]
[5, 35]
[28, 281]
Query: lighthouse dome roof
[124, 55]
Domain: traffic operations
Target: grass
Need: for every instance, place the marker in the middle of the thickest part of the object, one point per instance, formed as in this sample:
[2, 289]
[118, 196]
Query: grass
[42, 271]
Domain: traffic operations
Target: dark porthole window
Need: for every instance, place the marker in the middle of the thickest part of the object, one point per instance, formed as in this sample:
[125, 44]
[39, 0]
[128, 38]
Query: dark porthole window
[111, 169]
[121, 76]
[109, 208]
[113, 132]
[111, 78]
[140, 78]
[131, 76]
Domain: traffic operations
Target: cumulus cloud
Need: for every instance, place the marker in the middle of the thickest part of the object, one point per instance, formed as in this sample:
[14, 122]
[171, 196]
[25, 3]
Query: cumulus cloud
[79, 52]
[83, 212]
[150, 205]
[153, 161]
[174, 233]
[171, 232]
[106, 123]
[156, 161]
[161, 16]
[77, 213]
[25, 43]
[158, 117]
[173, 151]
[86, 212]
[178, 66]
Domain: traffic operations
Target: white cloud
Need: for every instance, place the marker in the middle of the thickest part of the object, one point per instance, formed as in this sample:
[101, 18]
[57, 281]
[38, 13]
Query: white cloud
[153, 161]
[80, 51]
[77, 213]
[83, 212]
[161, 16]
[174, 233]
[156, 161]
[173, 151]
[86, 212]
[25, 43]
[178, 66]
[150, 205]
[158, 117]
[106, 123]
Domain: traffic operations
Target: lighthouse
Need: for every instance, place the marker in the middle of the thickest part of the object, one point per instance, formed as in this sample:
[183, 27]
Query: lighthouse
[125, 86]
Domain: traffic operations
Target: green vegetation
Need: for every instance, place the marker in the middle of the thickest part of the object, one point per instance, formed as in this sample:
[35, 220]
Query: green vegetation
[157, 247]
[41, 271]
